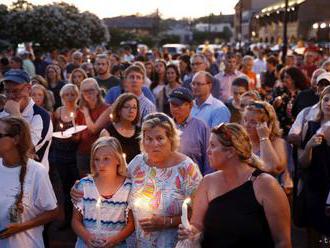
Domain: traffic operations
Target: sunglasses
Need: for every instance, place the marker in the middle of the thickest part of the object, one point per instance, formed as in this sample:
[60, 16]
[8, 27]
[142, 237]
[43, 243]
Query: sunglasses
[161, 117]
[257, 105]
[225, 133]
[4, 135]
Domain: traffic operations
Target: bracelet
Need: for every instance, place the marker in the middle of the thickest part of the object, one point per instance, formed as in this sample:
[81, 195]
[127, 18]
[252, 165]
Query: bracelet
[263, 139]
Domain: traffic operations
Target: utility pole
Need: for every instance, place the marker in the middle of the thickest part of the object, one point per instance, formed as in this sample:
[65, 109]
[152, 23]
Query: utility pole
[285, 32]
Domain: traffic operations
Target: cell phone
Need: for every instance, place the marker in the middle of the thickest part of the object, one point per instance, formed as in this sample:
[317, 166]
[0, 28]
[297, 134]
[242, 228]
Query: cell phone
[3, 230]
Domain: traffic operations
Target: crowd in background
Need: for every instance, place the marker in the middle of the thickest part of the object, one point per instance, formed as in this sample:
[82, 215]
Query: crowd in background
[226, 128]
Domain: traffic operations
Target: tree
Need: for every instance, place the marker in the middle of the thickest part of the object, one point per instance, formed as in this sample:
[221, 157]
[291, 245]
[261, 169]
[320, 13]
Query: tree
[57, 25]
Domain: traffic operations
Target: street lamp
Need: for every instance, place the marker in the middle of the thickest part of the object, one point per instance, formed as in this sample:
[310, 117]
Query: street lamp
[285, 32]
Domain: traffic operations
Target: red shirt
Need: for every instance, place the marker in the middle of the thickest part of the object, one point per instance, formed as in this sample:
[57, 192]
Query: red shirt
[86, 137]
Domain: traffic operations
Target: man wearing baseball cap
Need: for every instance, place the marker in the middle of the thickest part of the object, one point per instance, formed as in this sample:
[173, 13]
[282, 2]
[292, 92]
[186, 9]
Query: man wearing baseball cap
[17, 88]
[194, 132]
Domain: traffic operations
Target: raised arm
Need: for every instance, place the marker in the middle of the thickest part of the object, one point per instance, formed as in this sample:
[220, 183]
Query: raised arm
[277, 210]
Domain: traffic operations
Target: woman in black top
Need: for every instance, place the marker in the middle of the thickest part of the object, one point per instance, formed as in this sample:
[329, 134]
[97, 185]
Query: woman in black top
[315, 160]
[238, 206]
[125, 116]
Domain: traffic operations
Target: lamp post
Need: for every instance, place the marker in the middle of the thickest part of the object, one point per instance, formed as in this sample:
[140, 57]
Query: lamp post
[285, 32]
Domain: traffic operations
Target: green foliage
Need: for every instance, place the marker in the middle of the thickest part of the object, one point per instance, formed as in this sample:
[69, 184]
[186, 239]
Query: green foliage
[169, 39]
[54, 26]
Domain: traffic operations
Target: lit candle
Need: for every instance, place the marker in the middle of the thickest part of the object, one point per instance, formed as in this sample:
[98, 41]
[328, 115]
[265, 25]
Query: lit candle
[111, 116]
[61, 127]
[124, 156]
[98, 215]
[73, 120]
[184, 216]
[141, 204]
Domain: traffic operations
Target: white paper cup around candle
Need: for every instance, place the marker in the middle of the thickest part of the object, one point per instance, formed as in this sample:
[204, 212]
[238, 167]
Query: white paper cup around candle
[184, 216]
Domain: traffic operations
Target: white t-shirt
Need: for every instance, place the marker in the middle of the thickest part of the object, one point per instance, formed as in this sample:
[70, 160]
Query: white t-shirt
[38, 197]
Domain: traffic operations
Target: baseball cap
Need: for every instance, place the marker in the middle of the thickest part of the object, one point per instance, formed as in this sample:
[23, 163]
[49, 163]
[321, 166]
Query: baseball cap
[18, 76]
[323, 76]
[180, 96]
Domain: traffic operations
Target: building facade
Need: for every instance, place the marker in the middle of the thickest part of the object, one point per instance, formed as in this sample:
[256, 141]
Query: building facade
[244, 12]
[306, 19]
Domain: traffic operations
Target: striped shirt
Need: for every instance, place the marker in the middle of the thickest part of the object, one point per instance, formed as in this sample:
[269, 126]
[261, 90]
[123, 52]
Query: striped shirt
[146, 107]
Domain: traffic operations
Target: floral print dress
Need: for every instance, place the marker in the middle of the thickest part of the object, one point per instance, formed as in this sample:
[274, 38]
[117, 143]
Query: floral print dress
[160, 191]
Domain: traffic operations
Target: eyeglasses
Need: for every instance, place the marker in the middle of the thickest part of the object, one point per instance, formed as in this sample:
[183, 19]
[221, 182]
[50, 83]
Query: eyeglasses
[88, 91]
[130, 107]
[2, 135]
[196, 63]
[14, 92]
[197, 84]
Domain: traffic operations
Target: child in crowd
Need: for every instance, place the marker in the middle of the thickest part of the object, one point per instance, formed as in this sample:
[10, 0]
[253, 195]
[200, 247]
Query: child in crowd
[102, 218]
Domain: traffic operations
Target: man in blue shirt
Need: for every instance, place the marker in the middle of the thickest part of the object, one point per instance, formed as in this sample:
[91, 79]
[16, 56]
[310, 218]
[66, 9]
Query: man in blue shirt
[207, 108]
[194, 133]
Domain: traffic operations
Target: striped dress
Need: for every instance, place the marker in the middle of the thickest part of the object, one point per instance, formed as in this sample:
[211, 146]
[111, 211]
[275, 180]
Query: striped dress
[113, 212]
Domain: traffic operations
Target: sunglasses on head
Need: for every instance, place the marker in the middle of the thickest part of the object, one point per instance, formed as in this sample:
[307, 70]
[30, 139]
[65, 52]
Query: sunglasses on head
[225, 133]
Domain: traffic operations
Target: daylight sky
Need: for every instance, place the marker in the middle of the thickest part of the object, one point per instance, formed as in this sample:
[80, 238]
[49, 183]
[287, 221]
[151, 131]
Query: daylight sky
[168, 8]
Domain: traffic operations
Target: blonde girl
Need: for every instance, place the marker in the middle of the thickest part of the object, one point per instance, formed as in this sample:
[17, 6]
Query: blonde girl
[102, 217]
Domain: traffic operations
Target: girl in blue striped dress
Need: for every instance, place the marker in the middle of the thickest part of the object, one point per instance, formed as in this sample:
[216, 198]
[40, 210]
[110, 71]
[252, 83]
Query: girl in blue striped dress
[102, 218]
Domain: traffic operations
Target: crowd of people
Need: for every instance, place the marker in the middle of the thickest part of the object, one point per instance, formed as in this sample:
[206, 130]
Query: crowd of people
[242, 134]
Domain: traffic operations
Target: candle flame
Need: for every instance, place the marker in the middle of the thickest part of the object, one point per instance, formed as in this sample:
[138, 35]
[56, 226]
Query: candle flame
[124, 156]
[71, 114]
[61, 125]
[187, 201]
[111, 116]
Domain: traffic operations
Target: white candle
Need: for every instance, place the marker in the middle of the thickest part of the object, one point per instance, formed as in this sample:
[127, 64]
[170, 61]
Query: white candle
[184, 216]
[61, 127]
[141, 204]
[98, 215]
[73, 120]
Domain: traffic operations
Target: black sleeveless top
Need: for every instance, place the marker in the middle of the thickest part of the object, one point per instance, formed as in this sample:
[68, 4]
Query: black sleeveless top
[130, 145]
[236, 219]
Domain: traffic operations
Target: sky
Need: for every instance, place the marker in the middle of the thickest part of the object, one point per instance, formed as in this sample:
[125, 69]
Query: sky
[168, 8]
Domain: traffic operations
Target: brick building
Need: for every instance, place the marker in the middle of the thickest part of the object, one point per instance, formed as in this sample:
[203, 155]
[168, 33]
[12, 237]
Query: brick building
[306, 19]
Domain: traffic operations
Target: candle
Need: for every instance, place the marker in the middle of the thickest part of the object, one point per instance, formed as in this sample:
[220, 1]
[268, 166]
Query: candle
[124, 156]
[141, 204]
[73, 120]
[184, 216]
[98, 215]
[61, 127]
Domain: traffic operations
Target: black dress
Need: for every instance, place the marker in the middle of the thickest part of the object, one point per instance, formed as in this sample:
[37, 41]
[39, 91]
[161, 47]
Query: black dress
[236, 219]
[317, 183]
[130, 145]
